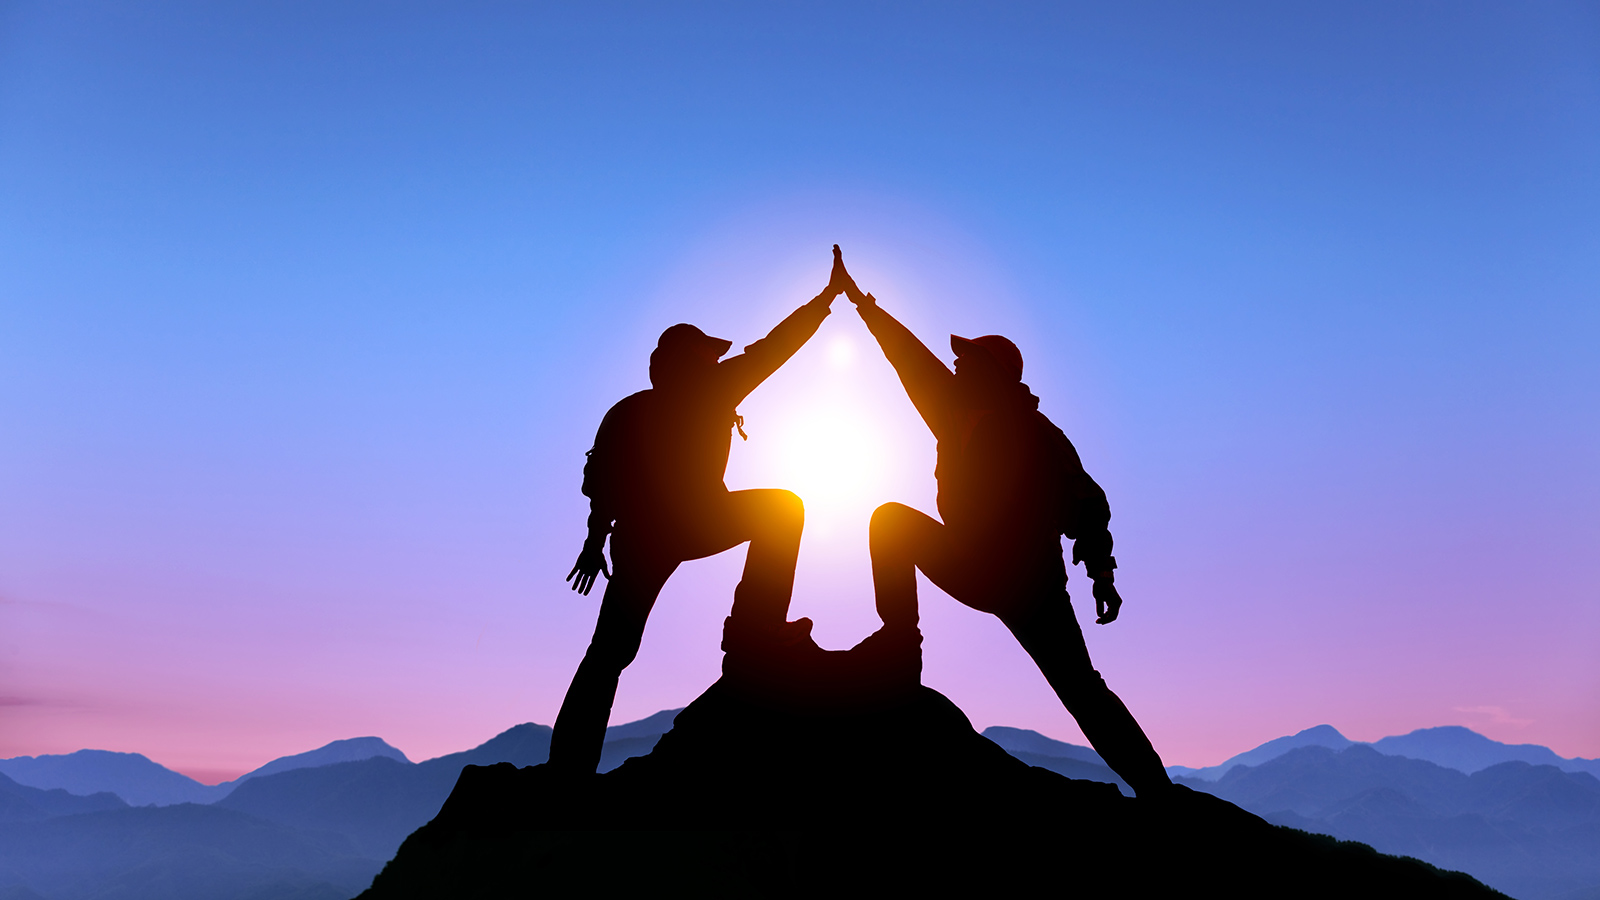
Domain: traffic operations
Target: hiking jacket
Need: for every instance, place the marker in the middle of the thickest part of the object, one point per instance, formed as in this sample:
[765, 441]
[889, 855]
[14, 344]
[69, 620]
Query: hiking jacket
[1009, 479]
[663, 451]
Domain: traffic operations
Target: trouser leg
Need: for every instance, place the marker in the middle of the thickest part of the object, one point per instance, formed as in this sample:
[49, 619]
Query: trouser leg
[1028, 595]
[771, 520]
[900, 538]
[1050, 634]
[580, 729]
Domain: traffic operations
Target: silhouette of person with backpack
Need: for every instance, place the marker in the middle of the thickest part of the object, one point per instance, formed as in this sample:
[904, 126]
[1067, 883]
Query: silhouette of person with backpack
[655, 485]
[1010, 485]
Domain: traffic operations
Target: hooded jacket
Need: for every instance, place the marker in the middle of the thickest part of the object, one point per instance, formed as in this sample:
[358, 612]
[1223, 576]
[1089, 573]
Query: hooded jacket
[1009, 480]
[665, 449]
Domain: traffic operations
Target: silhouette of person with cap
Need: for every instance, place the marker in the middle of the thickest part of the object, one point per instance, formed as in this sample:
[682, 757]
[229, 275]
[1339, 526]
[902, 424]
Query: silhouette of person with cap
[655, 483]
[1010, 485]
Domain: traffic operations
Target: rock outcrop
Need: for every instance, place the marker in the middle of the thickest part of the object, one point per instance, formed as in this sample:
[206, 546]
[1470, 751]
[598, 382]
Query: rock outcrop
[756, 793]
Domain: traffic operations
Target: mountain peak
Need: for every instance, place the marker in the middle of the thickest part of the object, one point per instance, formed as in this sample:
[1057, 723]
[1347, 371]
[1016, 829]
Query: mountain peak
[837, 798]
[1450, 732]
[132, 776]
[1322, 733]
[1025, 740]
[1461, 748]
[346, 750]
[1315, 736]
[649, 726]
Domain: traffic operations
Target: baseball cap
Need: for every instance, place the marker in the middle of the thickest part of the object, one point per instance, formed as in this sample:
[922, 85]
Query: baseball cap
[998, 348]
[683, 338]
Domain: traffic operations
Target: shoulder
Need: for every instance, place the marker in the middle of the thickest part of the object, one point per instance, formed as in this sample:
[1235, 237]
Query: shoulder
[1052, 434]
[633, 401]
[1045, 426]
[628, 409]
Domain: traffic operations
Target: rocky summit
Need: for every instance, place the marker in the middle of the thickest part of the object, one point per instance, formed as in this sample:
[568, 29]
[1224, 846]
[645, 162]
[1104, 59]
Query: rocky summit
[763, 792]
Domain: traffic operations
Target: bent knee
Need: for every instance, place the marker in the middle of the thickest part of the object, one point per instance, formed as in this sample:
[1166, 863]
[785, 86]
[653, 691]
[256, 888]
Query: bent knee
[785, 506]
[890, 518]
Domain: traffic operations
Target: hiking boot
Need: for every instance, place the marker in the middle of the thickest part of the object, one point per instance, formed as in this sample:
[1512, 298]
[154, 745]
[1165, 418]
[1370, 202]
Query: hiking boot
[889, 661]
[780, 659]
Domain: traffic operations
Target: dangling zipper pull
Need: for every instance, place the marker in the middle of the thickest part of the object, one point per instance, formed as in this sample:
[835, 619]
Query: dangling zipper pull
[738, 422]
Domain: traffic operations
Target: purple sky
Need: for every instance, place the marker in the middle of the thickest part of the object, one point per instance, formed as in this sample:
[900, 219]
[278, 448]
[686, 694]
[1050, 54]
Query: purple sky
[307, 316]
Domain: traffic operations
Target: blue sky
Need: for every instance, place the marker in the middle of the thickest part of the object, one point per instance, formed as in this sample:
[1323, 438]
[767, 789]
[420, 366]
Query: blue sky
[308, 312]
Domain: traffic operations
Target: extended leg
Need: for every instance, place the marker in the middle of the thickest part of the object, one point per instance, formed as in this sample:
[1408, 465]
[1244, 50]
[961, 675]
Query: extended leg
[1050, 634]
[580, 729]
[1028, 595]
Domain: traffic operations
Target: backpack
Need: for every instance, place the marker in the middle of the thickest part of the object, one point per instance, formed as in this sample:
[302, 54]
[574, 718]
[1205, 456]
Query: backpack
[614, 463]
[646, 453]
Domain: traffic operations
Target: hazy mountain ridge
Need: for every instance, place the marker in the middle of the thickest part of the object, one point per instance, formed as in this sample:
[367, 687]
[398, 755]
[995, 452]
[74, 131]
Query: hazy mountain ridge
[141, 781]
[1462, 748]
[1023, 740]
[378, 802]
[651, 726]
[132, 776]
[181, 852]
[1531, 831]
[347, 750]
[1060, 757]
[1451, 746]
[20, 803]
[1478, 823]
[1316, 736]
[313, 832]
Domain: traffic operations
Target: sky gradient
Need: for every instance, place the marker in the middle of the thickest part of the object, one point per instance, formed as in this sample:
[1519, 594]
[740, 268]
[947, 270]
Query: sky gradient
[309, 312]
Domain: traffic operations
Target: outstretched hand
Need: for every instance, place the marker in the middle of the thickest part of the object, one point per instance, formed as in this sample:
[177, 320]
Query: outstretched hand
[591, 562]
[838, 277]
[841, 278]
[1106, 601]
[835, 279]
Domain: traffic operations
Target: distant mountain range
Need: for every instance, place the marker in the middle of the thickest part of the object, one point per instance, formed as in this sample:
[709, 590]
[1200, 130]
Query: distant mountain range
[1516, 816]
[20, 803]
[1060, 757]
[313, 826]
[142, 782]
[132, 776]
[1532, 831]
[1451, 746]
[319, 825]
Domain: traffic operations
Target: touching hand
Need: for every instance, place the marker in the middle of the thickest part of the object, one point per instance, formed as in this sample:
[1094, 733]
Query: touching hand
[835, 285]
[843, 282]
[591, 562]
[1106, 601]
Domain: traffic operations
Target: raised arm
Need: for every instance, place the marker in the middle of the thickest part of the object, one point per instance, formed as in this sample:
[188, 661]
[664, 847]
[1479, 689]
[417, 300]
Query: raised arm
[927, 380]
[759, 360]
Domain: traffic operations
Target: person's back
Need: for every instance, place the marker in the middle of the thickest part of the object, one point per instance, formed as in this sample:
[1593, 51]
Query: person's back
[997, 479]
[656, 452]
